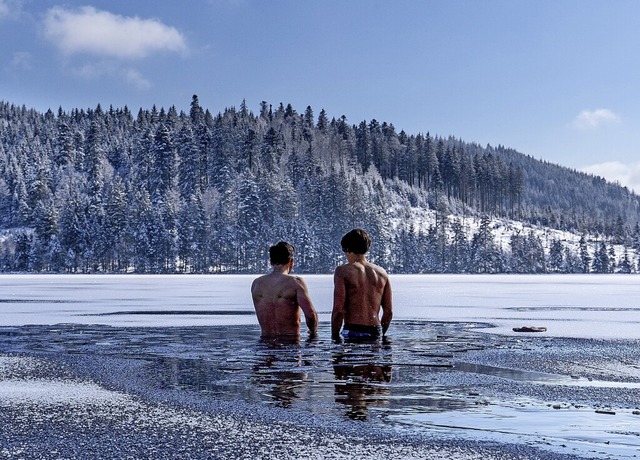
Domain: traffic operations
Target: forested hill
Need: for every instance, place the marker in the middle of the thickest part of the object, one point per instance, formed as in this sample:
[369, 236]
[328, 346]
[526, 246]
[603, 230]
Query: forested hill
[163, 191]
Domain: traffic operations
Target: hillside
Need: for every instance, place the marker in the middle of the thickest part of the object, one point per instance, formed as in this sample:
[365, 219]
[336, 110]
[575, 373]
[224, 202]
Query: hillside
[169, 192]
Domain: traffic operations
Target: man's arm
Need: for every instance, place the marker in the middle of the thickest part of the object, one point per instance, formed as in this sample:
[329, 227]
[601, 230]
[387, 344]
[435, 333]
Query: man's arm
[339, 300]
[254, 291]
[304, 302]
[387, 307]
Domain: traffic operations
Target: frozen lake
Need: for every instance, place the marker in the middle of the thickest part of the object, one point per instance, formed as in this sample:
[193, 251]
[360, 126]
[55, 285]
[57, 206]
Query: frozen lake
[90, 348]
[584, 306]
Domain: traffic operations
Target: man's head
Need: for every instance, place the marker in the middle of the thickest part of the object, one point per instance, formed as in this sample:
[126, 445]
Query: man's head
[281, 253]
[356, 241]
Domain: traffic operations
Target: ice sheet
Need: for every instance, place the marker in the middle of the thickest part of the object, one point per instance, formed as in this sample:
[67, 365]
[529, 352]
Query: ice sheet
[586, 306]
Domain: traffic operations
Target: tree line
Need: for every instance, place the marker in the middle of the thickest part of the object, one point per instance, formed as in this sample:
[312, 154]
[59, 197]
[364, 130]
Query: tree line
[165, 191]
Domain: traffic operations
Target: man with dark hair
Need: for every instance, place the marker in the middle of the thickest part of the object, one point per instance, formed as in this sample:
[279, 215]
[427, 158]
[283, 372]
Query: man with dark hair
[279, 296]
[361, 289]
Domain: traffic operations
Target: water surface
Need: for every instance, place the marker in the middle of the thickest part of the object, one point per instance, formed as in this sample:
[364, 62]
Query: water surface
[451, 364]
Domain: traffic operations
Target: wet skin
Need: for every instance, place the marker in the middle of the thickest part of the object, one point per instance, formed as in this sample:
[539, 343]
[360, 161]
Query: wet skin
[361, 289]
[278, 298]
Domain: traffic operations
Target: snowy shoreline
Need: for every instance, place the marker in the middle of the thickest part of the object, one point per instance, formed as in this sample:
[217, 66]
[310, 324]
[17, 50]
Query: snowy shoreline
[102, 393]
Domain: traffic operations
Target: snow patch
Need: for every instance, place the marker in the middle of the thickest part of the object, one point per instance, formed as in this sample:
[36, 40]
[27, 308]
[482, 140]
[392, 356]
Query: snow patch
[55, 392]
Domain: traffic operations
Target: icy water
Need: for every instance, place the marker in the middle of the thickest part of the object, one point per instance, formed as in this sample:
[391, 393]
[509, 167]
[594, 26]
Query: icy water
[367, 380]
[197, 336]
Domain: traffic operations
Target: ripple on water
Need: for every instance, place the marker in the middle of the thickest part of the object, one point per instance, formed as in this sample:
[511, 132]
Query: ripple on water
[417, 380]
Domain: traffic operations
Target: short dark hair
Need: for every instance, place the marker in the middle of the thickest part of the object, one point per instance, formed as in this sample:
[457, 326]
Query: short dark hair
[356, 241]
[281, 253]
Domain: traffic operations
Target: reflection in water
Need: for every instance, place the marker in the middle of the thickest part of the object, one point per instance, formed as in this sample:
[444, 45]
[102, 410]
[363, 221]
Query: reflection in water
[426, 378]
[317, 376]
[278, 370]
[362, 384]
[189, 374]
[361, 387]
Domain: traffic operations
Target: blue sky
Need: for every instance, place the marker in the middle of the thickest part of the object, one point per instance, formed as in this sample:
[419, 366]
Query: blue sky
[555, 79]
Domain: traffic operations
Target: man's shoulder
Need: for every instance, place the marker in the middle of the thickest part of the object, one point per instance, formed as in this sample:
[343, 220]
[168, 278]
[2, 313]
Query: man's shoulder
[298, 280]
[378, 270]
[259, 279]
[342, 270]
[258, 283]
[268, 279]
[375, 267]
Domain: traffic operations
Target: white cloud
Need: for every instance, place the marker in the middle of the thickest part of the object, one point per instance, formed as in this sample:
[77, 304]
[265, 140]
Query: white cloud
[91, 70]
[10, 8]
[4, 8]
[101, 33]
[106, 69]
[614, 171]
[21, 60]
[592, 119]
[136, 79]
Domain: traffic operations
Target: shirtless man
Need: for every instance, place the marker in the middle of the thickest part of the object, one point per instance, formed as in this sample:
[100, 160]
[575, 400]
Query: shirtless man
[278, 297]
[360, 290]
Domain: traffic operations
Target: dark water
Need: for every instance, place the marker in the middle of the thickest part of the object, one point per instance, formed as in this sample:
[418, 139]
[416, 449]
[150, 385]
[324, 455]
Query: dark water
[426, 375]
[360, 380]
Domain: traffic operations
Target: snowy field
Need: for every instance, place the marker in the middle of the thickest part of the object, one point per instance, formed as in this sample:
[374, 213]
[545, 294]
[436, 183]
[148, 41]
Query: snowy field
[584, 306]
[89, 364]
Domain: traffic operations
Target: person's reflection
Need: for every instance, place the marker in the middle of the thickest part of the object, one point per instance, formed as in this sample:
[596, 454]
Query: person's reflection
[361, 384]
[190, 374]
[275, 370]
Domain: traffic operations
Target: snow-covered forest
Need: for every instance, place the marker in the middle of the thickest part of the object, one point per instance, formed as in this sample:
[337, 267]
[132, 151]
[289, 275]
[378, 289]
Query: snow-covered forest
[163, 191]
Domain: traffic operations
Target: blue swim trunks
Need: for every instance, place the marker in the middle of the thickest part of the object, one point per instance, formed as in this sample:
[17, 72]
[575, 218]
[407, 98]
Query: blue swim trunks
[357, 331]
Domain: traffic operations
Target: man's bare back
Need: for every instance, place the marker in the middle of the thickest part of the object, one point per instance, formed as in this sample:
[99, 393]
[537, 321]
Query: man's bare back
[279, 296]
[361, 289]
